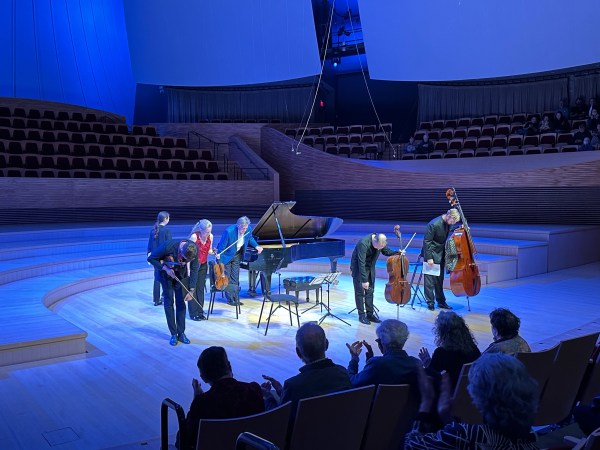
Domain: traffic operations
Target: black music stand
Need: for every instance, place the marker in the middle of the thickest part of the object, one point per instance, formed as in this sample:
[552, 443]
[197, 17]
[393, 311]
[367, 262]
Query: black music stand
[331, 278]
[319, 280]
[416, 288]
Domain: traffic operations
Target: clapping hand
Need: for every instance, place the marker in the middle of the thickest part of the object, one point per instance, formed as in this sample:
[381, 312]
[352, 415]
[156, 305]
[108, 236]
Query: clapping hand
[197, 388]
[355, 349]
[369, 353]
[272, 382]
[424, 357]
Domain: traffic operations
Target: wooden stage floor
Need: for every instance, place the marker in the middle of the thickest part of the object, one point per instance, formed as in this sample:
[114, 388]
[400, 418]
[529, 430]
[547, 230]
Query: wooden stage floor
[110, 396]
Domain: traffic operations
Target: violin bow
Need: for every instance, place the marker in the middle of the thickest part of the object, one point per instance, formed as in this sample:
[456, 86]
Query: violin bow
[231, 245]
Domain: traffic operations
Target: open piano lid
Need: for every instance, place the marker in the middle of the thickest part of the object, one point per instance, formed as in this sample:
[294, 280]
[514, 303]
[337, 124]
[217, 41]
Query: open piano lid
[292, 226]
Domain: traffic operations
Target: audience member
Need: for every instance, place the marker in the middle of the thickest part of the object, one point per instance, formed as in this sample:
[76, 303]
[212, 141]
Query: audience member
[593, 120]
[564, 109]
[426, 146]
[227, 397]
[581, 134]
[531, 127]
[586, 146]
[455, 346]
[545, 125]
[595, 136]
[591, 107]
[393, 367]
[318, 376]
[579, 111]
[410, 146]
[559, 123]
[505, 329]
[501, 390]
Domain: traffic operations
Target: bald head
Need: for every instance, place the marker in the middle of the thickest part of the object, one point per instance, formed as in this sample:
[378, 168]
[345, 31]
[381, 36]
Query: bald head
[311, 342]
[379, 240]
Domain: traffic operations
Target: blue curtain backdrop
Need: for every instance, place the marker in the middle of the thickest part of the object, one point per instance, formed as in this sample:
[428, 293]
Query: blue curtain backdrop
[69, 51]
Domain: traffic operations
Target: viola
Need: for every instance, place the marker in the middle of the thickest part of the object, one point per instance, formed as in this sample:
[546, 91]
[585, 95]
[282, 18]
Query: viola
[397, 289]
[464, 273]
[221, 280]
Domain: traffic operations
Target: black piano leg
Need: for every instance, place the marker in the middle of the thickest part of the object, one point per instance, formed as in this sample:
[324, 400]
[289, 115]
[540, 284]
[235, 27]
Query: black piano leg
[252, 276]
[333, 262]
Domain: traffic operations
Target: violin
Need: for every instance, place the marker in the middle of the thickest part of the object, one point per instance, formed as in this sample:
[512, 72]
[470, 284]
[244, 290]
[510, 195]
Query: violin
[464, 273]
[221, 280]
[397, 289]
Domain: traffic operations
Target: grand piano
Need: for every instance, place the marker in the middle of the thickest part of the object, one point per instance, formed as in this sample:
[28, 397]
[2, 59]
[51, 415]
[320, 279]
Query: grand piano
[286, 237]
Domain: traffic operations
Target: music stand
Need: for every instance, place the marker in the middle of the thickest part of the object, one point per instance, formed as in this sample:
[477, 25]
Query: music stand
[416, 288]
[331, 278]
[318, 280]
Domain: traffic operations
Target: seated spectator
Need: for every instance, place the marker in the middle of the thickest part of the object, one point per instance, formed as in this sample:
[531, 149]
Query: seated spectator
[394, 367]
[545, 125]
[426, 146]
[559, 123]
[227, 398]
[581, 134]
[593, 120]
[586, 146]
[505, 329]
[318, 376]
[531, 127]
[455, 346]
[564, 109]
[410, 146]
[595, 136]
[591, 107]
[501, 390]
[579, 111]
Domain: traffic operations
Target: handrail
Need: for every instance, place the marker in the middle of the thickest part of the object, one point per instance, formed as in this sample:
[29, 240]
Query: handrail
[214, 143]
[164, 423]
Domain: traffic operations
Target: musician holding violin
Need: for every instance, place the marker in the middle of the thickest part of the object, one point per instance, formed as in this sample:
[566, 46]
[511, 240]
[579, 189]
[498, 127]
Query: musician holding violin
[362, 266]
[170, 260]
[433, 252]
[231, 249]
[203, 237]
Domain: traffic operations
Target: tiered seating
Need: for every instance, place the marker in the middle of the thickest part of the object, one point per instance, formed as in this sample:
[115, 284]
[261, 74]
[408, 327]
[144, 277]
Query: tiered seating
[50, 144]
[358, 141]
[492, 135]
[238, 120]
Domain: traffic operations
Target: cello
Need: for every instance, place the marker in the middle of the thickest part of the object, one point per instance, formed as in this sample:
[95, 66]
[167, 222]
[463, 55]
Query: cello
[397, 289]
[464, 276]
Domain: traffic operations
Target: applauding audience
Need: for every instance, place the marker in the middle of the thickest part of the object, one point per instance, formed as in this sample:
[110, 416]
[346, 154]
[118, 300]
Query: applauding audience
[501, 390]
[505, 329]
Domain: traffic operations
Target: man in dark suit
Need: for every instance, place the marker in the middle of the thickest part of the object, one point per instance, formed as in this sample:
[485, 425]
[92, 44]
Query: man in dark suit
[362, 266]
[227, 397]
[319, 375]
[433, 252]
[231, 248]
[170, 260]
[159, 234]
[394, 367]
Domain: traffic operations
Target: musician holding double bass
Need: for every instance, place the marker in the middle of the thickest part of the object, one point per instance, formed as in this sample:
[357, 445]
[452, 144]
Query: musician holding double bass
[433, 252]
[362, 266]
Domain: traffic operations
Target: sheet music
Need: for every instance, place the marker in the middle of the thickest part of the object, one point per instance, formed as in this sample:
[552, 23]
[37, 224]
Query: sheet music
[434, 270]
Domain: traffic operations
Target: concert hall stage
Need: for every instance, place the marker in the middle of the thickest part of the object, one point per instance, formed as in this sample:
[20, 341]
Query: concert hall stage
[85, 358]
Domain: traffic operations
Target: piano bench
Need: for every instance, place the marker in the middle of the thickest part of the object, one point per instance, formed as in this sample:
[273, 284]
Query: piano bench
[298, 284]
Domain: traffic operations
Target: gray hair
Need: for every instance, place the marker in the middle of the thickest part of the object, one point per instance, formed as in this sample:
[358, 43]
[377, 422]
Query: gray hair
[311, 342]
[392, 334]
[380, 238]
[243, 221]
[201, 226]
[504, 393]
[454, 214]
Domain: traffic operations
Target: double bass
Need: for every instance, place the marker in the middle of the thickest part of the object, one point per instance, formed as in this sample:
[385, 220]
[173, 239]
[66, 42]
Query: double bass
[464, 276]
[397, 289]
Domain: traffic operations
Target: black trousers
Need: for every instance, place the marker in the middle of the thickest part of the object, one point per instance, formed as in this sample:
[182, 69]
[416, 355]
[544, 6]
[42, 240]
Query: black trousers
[434, 287]
[363, 297]
[232, 270]
[173, 293]
[197, 304]
[156, 288]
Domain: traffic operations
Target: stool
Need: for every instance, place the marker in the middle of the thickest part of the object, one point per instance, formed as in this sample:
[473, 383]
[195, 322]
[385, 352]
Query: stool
[298, 284]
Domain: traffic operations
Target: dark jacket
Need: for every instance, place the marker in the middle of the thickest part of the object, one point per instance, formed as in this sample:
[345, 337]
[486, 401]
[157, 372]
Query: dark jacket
[434, 241]
[364, 258]
[394, 367]
[227, 398]
[170, 248]
[164, 234]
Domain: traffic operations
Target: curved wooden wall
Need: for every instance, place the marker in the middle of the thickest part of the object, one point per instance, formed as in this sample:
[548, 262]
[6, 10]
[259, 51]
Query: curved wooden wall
[554, 188]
